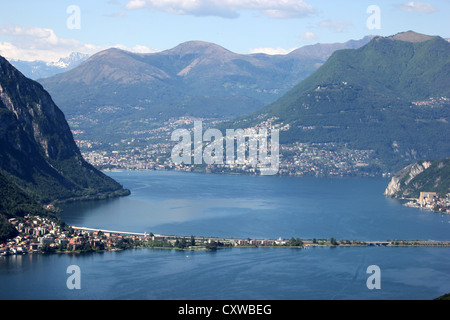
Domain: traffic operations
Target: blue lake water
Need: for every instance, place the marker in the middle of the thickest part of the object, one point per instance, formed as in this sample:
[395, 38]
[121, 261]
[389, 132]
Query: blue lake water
[175, 203]
[244, 207]
[231, 274]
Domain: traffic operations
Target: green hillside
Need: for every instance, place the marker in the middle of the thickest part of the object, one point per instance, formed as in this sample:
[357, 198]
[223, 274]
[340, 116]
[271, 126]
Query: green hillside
[14, 203]
[390, 96]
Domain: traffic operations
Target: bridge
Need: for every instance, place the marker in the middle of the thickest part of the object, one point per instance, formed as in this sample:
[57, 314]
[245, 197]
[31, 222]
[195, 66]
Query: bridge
[171, 237]
[166, 237]
[109, 231]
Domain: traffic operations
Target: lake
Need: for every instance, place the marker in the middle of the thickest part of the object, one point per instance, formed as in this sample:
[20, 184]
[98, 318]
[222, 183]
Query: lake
[176, 203]
[231, 274]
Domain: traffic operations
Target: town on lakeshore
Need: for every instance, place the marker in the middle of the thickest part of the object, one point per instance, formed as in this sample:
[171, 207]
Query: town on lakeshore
[151, 150]
[37, 235]
[431, 201]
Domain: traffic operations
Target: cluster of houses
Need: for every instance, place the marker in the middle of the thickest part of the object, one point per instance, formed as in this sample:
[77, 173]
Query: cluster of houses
[40, 234]
[432, 201]
[34, 232]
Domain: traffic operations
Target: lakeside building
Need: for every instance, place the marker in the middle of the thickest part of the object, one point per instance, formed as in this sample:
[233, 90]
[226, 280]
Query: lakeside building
[432, 201]
[427, 198]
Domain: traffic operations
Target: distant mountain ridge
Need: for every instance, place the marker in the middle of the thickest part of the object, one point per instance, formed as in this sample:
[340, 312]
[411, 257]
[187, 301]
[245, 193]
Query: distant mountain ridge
[192, 70]
[40, 69]
[38, 152]
[392, 96]
[195, 78]
[324, 51]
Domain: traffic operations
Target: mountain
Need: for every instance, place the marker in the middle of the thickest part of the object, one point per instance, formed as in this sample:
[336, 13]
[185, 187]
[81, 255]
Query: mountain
[324, 51]
[38, 153]
[41, 69]
[422, 176]
[196, 78]
[391, 96]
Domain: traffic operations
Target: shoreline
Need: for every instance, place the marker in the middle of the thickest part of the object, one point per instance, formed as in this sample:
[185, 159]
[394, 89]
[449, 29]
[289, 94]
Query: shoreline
[385, 176]
[423, 244]
[99, 196]
[413, 203]
[136, 241]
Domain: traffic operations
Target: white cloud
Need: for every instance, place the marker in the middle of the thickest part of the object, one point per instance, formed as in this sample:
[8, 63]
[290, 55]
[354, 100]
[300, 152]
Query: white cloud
[335, 25]
[32, 43]
[308, 36]
[271, 51]
[136, 4]
[136, 49]
[226, 8]
[417, 6]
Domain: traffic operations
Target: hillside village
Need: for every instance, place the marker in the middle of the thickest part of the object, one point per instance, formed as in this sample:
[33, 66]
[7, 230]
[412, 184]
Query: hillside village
[298, 159]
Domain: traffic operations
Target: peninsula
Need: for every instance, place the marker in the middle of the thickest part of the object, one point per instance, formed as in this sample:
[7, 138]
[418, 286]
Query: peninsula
[35, 235]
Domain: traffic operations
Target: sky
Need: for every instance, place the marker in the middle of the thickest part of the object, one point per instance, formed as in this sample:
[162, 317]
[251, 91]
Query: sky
[50, 29]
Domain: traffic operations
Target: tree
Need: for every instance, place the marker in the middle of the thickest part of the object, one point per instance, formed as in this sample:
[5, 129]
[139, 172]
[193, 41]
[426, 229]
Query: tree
[181, 244]
[62, 247]
[211, 246]
[334, 242]
[47, 249]
[296, 242]
[7, 231]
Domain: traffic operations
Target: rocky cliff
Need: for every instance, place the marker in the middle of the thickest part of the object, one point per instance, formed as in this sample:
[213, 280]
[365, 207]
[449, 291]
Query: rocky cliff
[38, 152]
[422, 176]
